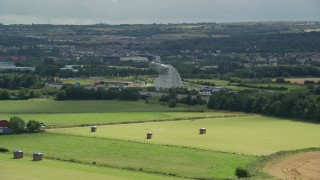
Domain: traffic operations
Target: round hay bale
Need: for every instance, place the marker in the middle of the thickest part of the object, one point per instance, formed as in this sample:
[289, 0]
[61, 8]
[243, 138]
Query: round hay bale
[149, 135]
[93, 128]
[202, 131]
[17, 154]
[37, 156]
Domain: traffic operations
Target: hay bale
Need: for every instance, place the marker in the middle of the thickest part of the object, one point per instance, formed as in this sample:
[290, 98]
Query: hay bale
[17, 154]
[37, 156]
[202, 131]
[93, 128]
[149, 135]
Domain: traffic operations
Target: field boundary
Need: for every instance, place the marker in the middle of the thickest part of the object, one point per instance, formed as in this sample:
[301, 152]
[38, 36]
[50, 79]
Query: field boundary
[147, 121]
[154, 143]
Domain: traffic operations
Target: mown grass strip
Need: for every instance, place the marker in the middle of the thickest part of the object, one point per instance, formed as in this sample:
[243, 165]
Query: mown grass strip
[184, 162]
[53, 170]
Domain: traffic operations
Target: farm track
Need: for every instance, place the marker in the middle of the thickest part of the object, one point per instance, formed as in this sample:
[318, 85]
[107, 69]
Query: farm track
[304, 166]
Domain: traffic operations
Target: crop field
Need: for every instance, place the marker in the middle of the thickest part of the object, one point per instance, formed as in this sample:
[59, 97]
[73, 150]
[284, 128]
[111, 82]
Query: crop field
[80, 119]
[179, 36]
[157, 159]
[301, 80]
[219, 35]
[47, 169]
[251, 135]
[291, 87]
[119, 149]
[312, 30]
[217, 82]
[88, 81]
[90, 106]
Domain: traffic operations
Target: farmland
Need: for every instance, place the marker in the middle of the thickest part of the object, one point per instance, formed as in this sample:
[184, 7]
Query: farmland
[50, 106]
[119, 148]
[254, 135]
[81, 119]
[128, 155]
[301, 80]
[48, 169]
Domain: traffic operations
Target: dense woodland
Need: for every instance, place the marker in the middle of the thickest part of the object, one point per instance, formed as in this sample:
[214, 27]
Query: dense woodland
[296, 105]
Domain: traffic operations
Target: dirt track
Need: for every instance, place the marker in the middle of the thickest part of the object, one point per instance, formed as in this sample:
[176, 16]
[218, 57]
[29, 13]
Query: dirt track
[303, 166]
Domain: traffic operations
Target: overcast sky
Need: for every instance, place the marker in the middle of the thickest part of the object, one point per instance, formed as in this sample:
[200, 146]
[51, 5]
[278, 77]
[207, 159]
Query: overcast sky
[155, 11]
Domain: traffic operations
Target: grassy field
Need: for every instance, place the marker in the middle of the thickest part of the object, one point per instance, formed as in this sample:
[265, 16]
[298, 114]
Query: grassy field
[252, 135]
[291, 87]
[88, 81]
[180, 36]
[18, 169]
[127, 155]
[81, 119]
[217, 82]
[50, 106]
[219, 35]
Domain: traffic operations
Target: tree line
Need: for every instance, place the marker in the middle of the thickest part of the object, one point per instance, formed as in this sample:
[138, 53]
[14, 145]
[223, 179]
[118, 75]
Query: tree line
[18, 81]
[81, 93]
[299, 105]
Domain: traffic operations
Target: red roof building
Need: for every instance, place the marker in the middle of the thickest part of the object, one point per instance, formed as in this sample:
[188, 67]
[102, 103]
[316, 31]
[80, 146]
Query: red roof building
[4, 123]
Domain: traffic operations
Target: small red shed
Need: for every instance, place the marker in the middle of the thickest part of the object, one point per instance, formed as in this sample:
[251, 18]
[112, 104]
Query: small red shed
[4, 123]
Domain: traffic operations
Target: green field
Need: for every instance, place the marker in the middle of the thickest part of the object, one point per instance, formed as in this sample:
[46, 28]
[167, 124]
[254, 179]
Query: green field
[49, 106]
[291, 87]
[252, 135]
[224, 83]
[128, 155]
[177, 36]
[176, 149]
[81, 119]
[18, 169]
[217, 82]
[88, 81]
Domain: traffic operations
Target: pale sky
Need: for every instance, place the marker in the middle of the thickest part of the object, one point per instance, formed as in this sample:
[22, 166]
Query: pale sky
[155, 11]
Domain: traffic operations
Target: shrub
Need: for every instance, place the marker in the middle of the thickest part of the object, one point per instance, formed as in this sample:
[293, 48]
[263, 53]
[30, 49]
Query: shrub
[172, 103]
[241, 172]
[61, 95]
[4, 150]
[309, 82]
[17, 124]
[33, 126]
[280, 80]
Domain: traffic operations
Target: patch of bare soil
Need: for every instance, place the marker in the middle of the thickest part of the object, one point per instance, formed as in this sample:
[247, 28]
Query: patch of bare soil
[303, 166]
